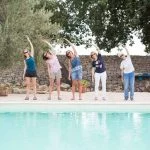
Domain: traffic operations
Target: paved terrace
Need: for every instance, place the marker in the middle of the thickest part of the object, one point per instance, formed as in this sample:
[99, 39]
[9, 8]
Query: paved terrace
[115, 102]
[88, 98]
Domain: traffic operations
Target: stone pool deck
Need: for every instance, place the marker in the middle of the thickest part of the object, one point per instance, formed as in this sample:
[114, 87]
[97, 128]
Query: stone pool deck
[114, 103]
[88, 98]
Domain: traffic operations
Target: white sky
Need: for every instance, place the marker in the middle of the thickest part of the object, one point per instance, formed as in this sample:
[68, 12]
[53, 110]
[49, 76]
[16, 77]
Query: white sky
[135, 49]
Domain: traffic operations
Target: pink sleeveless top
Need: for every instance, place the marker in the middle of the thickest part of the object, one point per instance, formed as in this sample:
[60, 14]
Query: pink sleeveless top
[54, 64]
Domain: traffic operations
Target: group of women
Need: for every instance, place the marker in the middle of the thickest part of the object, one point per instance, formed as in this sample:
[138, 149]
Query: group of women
[75, 71]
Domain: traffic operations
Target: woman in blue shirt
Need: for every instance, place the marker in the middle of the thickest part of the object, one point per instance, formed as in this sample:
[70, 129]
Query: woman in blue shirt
[29, 71]
[75, 70]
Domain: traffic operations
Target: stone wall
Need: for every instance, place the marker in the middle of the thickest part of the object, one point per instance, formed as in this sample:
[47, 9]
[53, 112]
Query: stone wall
[14, 74]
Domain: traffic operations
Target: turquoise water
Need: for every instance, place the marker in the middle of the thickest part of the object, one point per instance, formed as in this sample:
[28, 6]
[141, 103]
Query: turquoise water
[74, 131]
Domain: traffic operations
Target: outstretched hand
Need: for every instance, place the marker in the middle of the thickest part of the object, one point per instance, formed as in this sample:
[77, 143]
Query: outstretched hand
[46, 42]
[125, 47]
[95, 46]
[67, 40]
[72, 45]
[43, 40]
[51, 47]
[27, 37]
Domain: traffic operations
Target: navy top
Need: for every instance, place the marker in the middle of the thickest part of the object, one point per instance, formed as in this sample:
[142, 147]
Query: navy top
[30, 62]
[99, 64]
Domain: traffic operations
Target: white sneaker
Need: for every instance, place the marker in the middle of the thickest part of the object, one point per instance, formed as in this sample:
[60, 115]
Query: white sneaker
[103, 98]
[49, 98]
[59, 98]
[96, 98]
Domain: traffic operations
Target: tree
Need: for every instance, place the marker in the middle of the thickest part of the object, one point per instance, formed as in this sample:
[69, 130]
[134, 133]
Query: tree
[111, 22]
[18, 19]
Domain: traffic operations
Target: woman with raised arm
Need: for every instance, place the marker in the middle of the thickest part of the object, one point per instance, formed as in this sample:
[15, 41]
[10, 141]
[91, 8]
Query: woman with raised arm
[98, 72]
[54, 69]
[127, 75]
[75, 70]
[29, 71]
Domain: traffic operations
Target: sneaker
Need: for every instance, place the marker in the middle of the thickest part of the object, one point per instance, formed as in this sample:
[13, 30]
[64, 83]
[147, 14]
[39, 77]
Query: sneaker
[126, 98]
[131, 98]
[26, 98]
[59, 98]
[103, 98]
[80, 98]
[49, 98]
[34, 98]
[96, 98]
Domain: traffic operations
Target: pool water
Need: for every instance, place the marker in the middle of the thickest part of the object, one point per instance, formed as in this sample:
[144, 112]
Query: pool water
[74, 131]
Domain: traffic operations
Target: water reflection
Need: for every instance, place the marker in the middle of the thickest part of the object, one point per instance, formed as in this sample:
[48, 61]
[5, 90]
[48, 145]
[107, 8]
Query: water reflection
[76, 130]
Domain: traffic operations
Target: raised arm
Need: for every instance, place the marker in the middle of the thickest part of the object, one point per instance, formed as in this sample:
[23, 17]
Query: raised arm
[51, 47]
[73, 47]
[31, 45]
[127, 51]
[99, 51]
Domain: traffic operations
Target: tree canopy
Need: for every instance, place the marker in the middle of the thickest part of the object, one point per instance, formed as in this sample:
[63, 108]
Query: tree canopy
[111, 22]
[17, 19]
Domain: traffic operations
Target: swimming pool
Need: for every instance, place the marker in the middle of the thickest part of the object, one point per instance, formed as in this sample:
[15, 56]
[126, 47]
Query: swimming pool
[74, 130]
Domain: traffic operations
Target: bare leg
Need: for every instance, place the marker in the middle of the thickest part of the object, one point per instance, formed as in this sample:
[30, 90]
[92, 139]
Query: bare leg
[80, 89]
[73, 89]
[58, 89]
[51, 85]
[27, 81]
[34, 87]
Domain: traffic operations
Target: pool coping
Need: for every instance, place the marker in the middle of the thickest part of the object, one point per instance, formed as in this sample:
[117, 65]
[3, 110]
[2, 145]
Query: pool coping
[114, 102]
[75, 102]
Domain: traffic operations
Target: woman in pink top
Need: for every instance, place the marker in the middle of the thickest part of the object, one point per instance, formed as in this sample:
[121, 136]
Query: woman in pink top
[54, 70]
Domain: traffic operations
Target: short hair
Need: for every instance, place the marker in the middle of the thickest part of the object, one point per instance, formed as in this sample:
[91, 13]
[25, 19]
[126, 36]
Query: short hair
[44, 56]
[67, 54]
[26, 51]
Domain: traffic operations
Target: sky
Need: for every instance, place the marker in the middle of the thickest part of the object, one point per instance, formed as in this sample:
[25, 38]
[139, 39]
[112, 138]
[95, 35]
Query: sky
[135, 49]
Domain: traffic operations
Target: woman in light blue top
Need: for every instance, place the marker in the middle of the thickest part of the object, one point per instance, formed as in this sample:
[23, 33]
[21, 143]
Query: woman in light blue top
[75, 70]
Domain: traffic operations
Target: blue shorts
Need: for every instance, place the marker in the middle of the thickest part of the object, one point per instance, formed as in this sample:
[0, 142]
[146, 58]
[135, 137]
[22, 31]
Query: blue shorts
[76, 75]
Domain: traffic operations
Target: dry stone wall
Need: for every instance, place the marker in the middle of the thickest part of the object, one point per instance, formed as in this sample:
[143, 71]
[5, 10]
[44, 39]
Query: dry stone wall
[13, 75]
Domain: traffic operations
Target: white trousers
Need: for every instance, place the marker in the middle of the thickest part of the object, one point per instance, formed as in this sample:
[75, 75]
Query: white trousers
[102, 77]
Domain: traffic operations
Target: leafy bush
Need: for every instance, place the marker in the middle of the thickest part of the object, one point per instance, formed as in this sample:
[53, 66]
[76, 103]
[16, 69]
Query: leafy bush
[85, 83]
